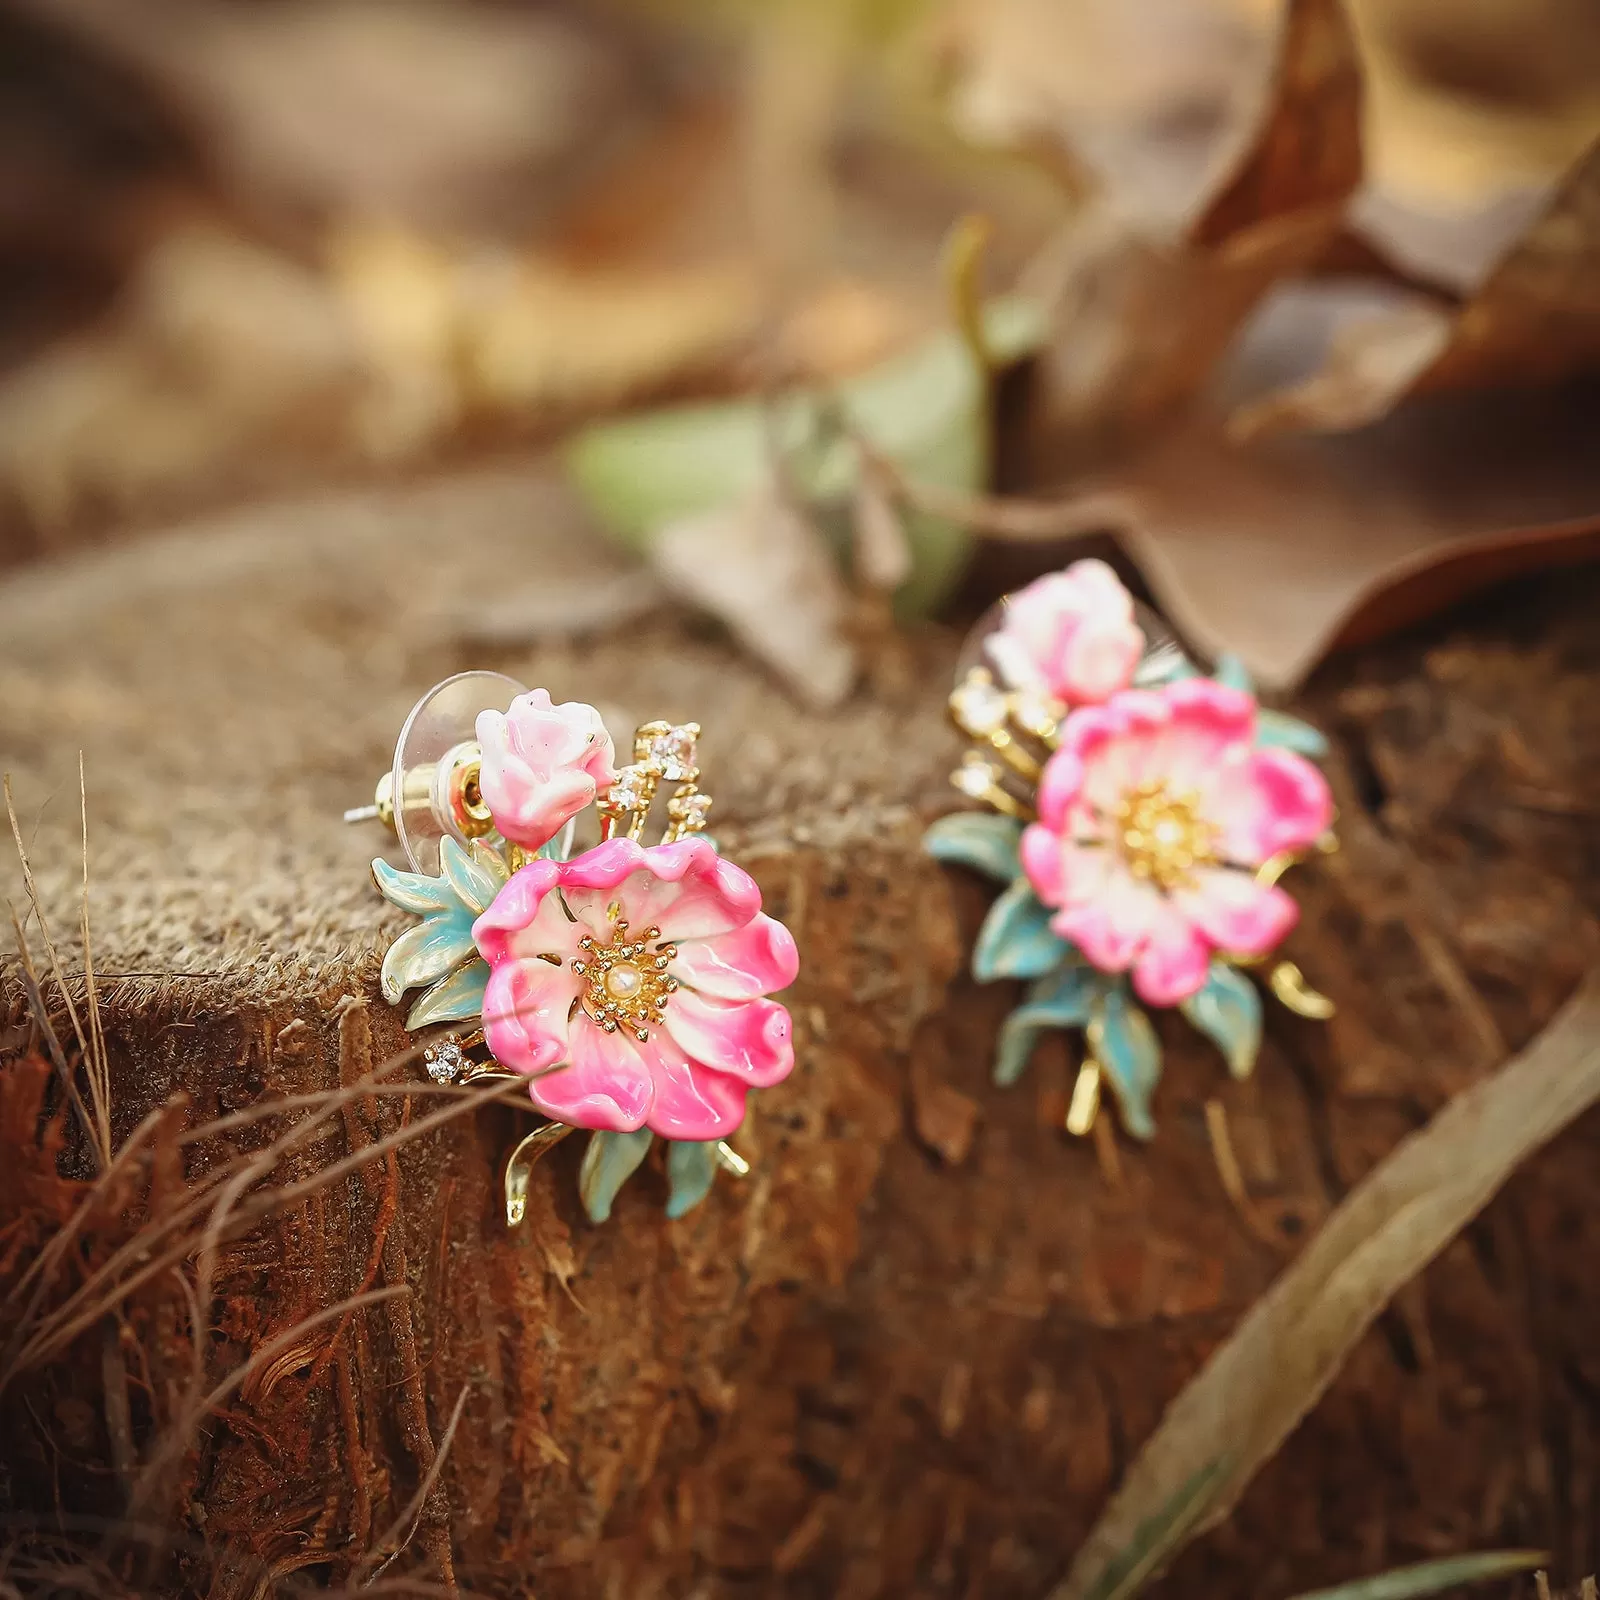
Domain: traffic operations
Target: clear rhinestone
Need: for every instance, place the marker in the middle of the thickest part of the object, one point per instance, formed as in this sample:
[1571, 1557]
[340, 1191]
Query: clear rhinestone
[690, 810]
[444, 1061]
[631, 791]
[1037, 713]
[975, 778]
[979, 705]
[671, 751]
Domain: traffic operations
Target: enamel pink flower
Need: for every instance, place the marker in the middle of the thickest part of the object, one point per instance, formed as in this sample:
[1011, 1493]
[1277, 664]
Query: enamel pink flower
[1071, 634]
[1153, 814]
[542, 764]
[648, 1010]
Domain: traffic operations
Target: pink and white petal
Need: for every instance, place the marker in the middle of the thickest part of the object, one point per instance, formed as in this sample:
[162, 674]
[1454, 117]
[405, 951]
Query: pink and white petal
[686, 889]
[1273, 800]
[1064, 872]
[1061, 788]
[1100, 656]
[759, 958]
[1236, 913]
[752, 1039]
[1130, 756]
[1112, 929]
[1174, 963]
[1211, 725]
[525, 917]
[691, 1101]
[606, 1082]
[525, 1009]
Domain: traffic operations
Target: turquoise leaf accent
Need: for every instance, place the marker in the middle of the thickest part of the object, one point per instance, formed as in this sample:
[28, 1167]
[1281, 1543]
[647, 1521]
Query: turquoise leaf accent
[476, 875]
[1228, 1011]
[415, 892]
[560, 847]
[691, 1169]
[608, 1163]
[1289, 733]
[1015, 940]
[1063, 1000]
[427, 952]
[1125, 1045]
[1232, 673]
[453, 999]
[982, 840]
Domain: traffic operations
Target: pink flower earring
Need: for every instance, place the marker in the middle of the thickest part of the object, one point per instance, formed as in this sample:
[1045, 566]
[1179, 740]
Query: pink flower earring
[1140, 817]
[628, 984]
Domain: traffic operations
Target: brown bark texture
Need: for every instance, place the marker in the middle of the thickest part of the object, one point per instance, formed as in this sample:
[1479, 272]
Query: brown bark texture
[912, 1352]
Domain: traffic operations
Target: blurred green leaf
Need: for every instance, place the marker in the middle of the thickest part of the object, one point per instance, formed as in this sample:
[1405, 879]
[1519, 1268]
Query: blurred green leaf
[1434, 1577]
[925, 410]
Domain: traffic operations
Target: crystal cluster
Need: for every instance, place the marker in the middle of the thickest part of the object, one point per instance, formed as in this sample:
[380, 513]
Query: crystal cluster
[445, 1061]
[663, 752]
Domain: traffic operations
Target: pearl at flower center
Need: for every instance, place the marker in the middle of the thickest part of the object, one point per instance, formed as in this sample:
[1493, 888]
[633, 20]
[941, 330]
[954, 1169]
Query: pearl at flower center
[623, 982]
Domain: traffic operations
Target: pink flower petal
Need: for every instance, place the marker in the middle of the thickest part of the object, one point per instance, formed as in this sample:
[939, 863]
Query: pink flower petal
[524, 918]
[1211, 727]
[1174, 964]
[525, 1007]
[1061, 787]
[606, 1083]
[541, 764]
[1111, 929]
[754, 960]
[1275, 800]
[686, 889]
[691, 1102]
[1098, 660]
[752, 1039]
[1236, 913]
[1063, 872]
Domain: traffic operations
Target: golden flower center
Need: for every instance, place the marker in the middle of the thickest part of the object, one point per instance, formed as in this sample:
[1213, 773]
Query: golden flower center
[625, 981]
[1163, 834]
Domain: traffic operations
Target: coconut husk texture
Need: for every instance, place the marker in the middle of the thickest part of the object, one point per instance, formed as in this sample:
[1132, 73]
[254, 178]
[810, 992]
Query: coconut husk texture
[911, 1353]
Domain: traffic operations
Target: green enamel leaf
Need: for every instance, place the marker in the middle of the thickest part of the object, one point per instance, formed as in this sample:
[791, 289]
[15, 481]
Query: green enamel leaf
[560, 847]
[1232, 673]
[474, 883]
[1273, 728]
[1435, 1577]
[454, 999]
[1064, 1000]
[1129, 1054]
[412, 891]
[1228, 1011]
[691, 1169]
[486, 856]
[982, 840]
[608, 1163]
[1015, 940]
[426, 952]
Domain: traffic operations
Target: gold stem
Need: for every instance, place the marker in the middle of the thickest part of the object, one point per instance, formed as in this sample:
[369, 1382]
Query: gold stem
[1015, 757]
[1085, 1104]
[520, 1165]
[730, 1160]
[1290, 986]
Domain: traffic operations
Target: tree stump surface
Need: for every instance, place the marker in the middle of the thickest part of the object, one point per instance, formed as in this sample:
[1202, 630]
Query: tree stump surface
[911, 1353]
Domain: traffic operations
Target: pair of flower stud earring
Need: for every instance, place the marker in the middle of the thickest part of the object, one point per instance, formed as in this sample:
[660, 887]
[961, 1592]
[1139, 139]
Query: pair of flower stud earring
[1139, 814]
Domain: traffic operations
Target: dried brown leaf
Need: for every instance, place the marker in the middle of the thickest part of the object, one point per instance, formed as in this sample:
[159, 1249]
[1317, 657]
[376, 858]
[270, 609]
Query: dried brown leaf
[1278, 552]
[1534, 322]
[1292, 1343]
[762, 567]
[1142, 318]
